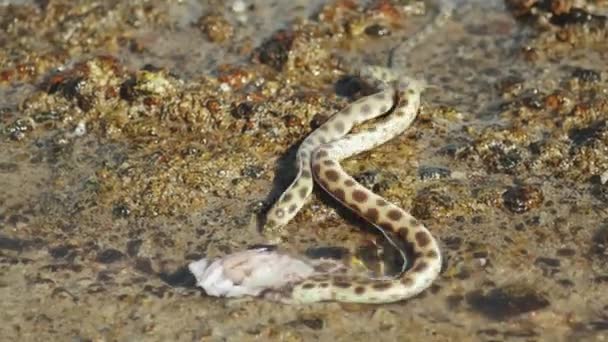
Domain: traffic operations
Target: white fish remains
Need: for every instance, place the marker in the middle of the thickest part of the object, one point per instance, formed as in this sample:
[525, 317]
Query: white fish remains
[248, 272]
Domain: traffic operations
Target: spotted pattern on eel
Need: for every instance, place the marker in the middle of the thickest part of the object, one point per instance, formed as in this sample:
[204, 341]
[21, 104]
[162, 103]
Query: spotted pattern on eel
[367, 108]
[318, 158]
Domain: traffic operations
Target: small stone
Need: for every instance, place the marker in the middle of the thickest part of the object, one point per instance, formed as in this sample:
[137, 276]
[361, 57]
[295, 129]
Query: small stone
[565, 252]
[604, 177]
[109, 256]
[133, 247]
[521, 199]
[182, 277]
[587, 75]
[252, 171]
[81, 129]
[14, 244]
[243, 110]
[216, 28]
[312, 323]
[599, 247]
[144, 265]
[429, 202]
[575, 16]
[8, 167]
[433, 172]
[507, 302]
[377, 30]
[121, 210]
[225, 87]
[377, 181]
[60, 251]
[239, 6]
[550, 262]
[274, 52]
[587, 135]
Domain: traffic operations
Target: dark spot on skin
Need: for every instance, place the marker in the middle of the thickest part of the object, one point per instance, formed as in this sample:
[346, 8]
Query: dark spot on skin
[279, 213]
[349, 182]
[287, 197]
[363, 281]
[321, 154]
[359, 196]
[403, 233]
[431, 254]
[395, 214]
[420, 267]
[365, 109]
[347, 110]
[303, 192]
[359, 290]
[339, 126]
[422, 238]
[382, 286]
[400, 112]
[308, 286]
[271, 223]
[332, 175]
[324, 128]
[413, 222]
[383, 109]
[324, 285]
[329, 162]
[306, 174]
[387, 226]
[372, 214]
[319, 278]
[339, 193]
[342, 284]
[381, 203]
[293, 208]
[316, 169]
[372, 129]
[407, 281]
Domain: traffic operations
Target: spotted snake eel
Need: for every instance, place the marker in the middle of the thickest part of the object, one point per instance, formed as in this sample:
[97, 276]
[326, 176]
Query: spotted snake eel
[318, 158]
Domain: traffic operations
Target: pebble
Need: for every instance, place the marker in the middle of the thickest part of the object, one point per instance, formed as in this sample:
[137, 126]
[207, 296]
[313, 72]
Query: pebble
[239, 6]
[225, 87]
[520, 199]
[377, 30]
[503, 303]
[109, 256]
[80, 130]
